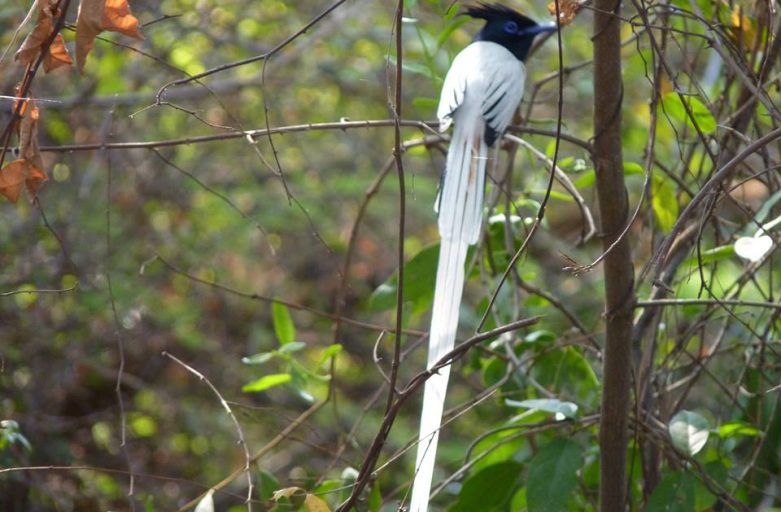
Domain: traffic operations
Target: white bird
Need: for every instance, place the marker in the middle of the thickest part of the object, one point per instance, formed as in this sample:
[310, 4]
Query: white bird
[482, 90]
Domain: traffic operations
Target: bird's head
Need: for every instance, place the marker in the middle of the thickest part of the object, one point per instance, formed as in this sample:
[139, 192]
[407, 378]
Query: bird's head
[507, 27]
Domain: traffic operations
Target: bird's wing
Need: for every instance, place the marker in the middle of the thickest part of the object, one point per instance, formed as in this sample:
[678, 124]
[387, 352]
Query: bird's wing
[502, 95]
[453, 91]
[488, 73]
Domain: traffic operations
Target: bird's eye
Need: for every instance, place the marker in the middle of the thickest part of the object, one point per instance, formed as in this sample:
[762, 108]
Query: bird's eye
[511, 27]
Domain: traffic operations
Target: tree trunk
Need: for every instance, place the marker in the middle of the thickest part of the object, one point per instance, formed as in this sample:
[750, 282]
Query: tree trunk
[618, 271]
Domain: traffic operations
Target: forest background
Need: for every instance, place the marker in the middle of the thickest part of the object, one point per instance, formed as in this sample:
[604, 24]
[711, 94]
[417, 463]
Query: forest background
[199, 285]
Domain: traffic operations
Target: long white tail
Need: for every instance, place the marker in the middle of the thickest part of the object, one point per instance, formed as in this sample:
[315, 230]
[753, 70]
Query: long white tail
[460, 216]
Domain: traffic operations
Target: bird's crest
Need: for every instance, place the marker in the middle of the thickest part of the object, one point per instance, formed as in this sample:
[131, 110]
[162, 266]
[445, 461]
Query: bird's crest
[493, 12]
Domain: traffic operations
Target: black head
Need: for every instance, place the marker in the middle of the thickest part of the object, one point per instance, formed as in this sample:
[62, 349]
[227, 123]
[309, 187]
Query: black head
[507, 27]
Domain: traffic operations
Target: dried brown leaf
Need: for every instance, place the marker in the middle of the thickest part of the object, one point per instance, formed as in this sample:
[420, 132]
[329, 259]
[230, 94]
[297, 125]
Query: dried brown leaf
[58, 55]
[12, 179]
[27, 170]
[35, 179]
[117, 18]
[287, 492]
[88, 26]
[33, 44]
[568, 9]
[28, 135]
[96, 16]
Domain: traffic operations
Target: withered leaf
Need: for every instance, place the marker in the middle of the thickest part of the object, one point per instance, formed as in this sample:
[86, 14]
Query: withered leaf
[118, 18]
[58, 55]
[31, 47]
[568, 9]
[96, 16]
[12, 179]
[30, 152]
[28, 135]
[35, 179]
[27, 170]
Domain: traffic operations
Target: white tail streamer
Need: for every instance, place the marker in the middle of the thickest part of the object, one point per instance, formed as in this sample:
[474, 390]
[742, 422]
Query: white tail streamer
[484, 78]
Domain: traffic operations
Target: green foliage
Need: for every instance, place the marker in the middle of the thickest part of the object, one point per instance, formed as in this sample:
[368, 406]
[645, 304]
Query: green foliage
[689, 432]
[557, 407]
[553, 476]
[299, 377]
[283, 324]
[689, 110]
[490, 489]
[10, 435]
[664, 203]
[675, 493]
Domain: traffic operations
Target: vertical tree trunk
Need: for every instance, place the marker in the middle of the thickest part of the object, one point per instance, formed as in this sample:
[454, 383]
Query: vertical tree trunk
[618, 271]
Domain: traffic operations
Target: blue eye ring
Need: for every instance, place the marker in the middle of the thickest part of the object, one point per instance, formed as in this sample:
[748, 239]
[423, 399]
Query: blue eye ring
[511, 27]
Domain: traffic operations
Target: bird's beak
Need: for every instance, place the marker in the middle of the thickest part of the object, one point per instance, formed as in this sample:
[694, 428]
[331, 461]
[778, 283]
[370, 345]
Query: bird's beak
[539, 29]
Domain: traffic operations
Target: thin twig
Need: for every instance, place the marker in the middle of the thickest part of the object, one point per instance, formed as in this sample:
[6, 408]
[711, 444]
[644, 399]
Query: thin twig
[239, 431]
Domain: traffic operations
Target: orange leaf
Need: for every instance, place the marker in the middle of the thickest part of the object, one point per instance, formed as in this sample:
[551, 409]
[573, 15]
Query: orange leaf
[117, 18]
[88, 26]
[31, 46]
[96, 16]
[12, 179]
[567, 10]
[34, 175]
[58, 55]
[28, 136]
[34, 180]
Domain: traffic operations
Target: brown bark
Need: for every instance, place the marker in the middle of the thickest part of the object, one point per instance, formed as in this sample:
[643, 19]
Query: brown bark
[618, 270]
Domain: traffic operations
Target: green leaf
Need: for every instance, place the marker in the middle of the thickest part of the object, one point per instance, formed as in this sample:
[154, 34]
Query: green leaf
[725, 252]
[419, 278]
[494, 370]
[673, 104]
[689, 432]
[260, 358]
[566, 369]
[737, 428]
[490, 489]
[631, 168]
[589, 178]
[300, 381]
[551, 405]
[540, 336]
[375, 498]
[675, 493]
[719, 474]
[330, 352]
[412, 67]
[424, 103]
[664, 203]
[283, 323]
[554, 194]
[266, 382]
[553, 476]
[293, 346]
[449, 29]
[268, 484]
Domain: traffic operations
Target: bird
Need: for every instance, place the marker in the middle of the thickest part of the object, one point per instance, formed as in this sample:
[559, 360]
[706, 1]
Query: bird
[482, 89]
